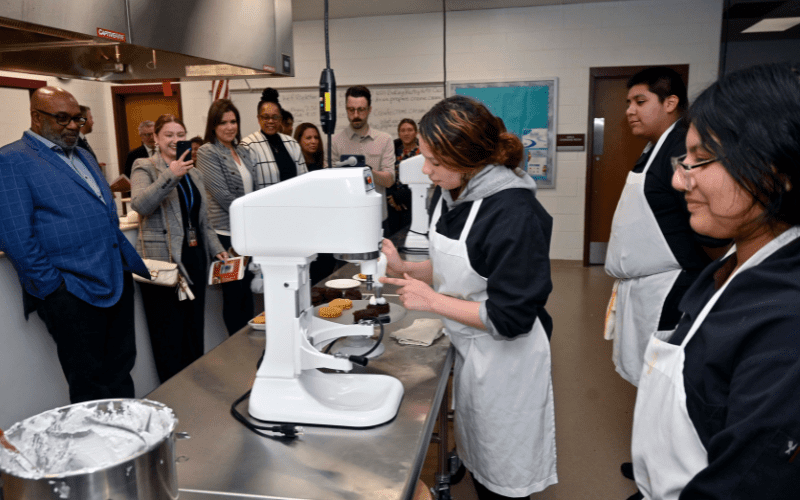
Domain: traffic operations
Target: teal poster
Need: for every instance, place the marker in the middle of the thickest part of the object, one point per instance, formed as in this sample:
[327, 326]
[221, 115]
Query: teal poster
[528, 111]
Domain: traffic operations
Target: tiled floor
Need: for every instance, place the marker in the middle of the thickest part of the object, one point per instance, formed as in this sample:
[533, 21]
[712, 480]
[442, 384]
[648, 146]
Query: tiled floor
[594, 406]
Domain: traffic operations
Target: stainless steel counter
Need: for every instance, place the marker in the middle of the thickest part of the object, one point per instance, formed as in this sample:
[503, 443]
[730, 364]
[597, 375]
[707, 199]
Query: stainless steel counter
[223, 459]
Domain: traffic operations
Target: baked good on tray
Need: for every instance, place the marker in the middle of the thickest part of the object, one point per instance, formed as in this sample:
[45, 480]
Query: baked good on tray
[329, 312]
[342, 303]
[364, 314]
[379, 308]
[353, 294]
[317, 298]
[332, 293]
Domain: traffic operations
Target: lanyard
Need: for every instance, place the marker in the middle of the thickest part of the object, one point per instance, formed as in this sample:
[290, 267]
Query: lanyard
[188, 200]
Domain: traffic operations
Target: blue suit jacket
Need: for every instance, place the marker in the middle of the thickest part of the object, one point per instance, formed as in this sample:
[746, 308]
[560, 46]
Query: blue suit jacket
[54, 227]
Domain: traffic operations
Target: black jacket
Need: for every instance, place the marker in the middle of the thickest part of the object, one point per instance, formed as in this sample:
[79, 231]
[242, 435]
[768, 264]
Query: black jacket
[742, 379]
[140, 152]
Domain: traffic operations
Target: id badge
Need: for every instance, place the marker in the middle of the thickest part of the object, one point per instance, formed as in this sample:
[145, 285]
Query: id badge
[191, 236]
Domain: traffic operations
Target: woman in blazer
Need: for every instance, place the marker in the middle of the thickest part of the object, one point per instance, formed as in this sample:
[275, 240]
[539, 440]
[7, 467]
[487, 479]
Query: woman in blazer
[228, 170]
[174, 225]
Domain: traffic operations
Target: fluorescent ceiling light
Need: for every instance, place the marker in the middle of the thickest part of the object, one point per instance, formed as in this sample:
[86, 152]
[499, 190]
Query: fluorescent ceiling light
[773, 24]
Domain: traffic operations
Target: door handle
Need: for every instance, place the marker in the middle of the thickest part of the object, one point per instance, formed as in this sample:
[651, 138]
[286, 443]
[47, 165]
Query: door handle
[597, 138]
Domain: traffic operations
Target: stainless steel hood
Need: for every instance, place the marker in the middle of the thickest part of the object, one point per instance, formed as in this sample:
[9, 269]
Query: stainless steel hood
[121, 40]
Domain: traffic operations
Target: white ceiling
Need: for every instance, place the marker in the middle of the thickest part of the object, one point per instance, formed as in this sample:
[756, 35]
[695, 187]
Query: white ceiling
[313, 10]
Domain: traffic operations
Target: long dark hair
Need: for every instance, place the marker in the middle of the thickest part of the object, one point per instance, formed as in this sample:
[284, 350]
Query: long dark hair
[750, 119]
[465, 136]
[298, 133]
[215, 113]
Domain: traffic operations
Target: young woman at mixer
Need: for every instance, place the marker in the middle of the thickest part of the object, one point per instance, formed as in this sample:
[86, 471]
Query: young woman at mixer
[489, 276]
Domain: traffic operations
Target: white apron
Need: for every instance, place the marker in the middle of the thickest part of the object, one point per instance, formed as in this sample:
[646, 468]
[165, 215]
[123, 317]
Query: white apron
[505, 422]
[639, 256]
[666, 449]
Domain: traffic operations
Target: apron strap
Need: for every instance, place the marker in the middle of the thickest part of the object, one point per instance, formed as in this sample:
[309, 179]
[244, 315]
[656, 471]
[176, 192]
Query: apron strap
[658, 147]
[757, 258]
[473, 212]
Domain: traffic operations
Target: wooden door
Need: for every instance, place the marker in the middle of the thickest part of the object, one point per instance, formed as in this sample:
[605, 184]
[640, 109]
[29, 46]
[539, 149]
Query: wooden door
[135, 103]
[612, 152]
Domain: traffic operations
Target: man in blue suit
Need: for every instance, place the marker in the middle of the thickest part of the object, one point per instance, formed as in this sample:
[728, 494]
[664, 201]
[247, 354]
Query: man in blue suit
[60, 230]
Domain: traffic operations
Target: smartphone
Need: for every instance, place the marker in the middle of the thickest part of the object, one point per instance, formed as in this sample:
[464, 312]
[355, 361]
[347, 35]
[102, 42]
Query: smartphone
[181, 147]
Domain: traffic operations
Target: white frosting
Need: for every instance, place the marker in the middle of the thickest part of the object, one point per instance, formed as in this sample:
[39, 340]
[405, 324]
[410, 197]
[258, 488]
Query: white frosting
[374, 302]
[84, 436]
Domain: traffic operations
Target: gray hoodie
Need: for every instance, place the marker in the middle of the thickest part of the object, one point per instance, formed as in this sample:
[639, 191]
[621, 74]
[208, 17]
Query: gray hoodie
[491, 180]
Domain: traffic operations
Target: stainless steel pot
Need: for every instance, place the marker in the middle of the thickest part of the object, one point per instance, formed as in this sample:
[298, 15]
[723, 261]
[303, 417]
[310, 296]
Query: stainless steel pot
[149, 474]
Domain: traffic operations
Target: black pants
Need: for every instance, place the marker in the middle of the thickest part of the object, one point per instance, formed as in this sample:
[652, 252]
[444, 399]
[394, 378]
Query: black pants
[96, 345]
[177, 326]
[485, 494]
[237, 299]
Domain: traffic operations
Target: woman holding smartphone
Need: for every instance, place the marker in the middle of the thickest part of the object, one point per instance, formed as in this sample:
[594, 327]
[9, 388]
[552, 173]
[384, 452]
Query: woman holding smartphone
[170, 199]
[228, 170]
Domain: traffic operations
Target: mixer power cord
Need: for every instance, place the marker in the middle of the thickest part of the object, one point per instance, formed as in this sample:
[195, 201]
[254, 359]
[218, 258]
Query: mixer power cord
[291, 431]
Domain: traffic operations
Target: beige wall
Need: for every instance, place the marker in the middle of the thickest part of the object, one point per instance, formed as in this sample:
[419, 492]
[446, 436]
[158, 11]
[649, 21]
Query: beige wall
[561, 41]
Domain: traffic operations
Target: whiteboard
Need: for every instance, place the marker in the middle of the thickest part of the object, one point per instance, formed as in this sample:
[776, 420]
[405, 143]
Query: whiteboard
[390, 104]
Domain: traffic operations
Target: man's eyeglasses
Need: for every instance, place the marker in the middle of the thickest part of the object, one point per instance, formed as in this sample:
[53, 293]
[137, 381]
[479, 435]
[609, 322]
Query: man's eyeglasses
[678, 162]
[353, 111]
[274, 118]
[63, 119]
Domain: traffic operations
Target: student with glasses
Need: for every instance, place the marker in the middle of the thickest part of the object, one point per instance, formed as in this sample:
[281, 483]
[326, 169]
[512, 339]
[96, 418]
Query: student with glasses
[60, 230]
[717, 413]
[277, 156]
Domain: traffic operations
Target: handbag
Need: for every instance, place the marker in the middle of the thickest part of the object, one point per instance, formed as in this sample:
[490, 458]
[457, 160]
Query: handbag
[161, 273]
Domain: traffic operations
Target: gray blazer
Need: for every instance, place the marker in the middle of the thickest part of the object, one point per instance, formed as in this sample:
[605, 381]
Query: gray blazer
[153, 195]
[223, 180]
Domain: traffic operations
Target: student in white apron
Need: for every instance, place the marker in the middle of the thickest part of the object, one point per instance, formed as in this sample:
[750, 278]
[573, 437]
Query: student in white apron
[652, 249]
[718, 407]
[489, 277]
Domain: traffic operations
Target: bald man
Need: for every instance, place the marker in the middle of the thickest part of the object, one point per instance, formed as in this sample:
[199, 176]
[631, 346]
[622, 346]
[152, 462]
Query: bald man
[60, 230]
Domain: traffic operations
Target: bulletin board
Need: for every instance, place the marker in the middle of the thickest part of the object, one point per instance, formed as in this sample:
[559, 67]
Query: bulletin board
[528, 109]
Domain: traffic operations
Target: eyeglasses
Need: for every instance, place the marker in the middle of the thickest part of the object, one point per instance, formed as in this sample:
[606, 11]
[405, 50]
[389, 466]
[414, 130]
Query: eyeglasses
[683, 171]
[360, 111]
[677, 161]
[274, 118]
[63, 119]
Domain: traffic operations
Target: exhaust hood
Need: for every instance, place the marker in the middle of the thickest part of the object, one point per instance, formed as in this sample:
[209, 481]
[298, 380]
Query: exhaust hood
[125, 40]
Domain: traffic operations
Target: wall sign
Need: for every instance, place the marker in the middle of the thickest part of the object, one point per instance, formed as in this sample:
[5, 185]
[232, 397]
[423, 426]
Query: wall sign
[571, 142]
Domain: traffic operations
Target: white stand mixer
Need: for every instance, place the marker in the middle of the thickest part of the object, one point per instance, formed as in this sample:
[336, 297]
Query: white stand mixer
[333, 210]
[419, 183]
